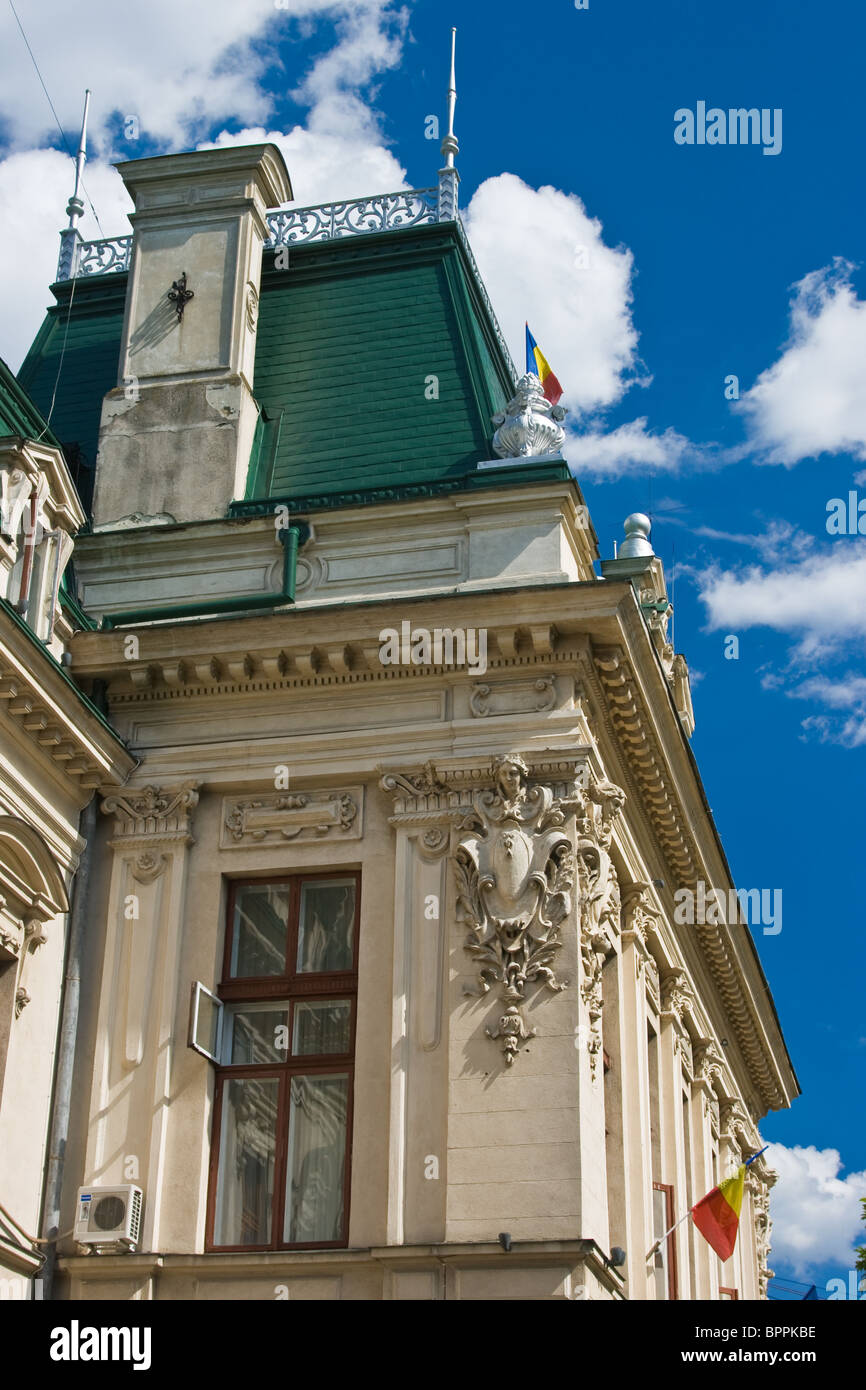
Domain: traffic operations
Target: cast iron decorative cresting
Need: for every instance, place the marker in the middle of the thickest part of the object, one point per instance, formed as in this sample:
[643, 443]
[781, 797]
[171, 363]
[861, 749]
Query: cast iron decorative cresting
[179, 294]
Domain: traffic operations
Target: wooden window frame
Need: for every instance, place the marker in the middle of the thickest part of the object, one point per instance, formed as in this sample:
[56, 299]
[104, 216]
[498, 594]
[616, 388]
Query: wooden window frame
[673, 1283]
[292, 988]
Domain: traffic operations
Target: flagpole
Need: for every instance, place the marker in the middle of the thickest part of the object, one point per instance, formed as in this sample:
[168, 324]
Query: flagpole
[661, 1240]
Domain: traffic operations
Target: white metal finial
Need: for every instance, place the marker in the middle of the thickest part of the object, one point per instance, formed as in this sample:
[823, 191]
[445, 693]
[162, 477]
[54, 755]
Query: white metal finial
[448, 175]
[450, 147]
[75, 207]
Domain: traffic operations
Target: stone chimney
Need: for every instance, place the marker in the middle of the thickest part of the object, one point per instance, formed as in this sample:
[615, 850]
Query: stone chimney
[176, 433]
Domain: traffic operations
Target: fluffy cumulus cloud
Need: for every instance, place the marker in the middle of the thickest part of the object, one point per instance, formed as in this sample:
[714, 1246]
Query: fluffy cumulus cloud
[815, 1211]
[543, 258]
[326, 164]
[179, 69]
[34, 188]
[819, 600]
[629, 449]
[812, 400]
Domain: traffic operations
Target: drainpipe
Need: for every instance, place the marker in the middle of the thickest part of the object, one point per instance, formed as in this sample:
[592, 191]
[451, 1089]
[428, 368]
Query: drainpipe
[291, 538]
[64, 1065]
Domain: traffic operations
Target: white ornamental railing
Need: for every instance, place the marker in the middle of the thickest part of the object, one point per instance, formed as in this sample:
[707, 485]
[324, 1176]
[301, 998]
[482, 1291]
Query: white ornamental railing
[385, 212]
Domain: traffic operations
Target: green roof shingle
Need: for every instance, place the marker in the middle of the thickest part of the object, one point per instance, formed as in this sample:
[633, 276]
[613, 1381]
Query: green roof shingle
[349, 336]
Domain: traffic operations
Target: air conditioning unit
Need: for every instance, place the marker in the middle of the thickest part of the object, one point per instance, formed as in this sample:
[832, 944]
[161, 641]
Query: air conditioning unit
[109, 1216]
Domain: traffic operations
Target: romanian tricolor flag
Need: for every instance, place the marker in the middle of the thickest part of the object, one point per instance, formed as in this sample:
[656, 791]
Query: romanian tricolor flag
[717, 1216]
[537, 363]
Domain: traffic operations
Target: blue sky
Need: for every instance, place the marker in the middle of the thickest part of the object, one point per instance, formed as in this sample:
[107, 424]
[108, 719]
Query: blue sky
[704, 262]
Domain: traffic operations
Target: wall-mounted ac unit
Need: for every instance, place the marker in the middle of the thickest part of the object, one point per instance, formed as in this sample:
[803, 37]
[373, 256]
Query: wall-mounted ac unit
[109, 1216]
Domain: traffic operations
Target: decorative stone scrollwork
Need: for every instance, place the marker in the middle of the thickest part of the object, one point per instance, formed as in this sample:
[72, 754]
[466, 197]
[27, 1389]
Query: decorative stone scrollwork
[513, 697]
[148, 867]
[513, 1031]
[425, 783]
[291, 816]
[763, 1230]
[514, 867]
[435, 840]
[529, 425]
[33, 937]
[734, 1125]
[638, 923]
[152, 811]
[676, 996]
[708, 1062]
[599, 900]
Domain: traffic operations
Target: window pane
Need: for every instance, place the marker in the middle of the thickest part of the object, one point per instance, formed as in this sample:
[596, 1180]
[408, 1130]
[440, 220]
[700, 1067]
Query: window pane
[660, 1259]
[322, 1027]
[317, 1155]
[258, 1036]
[326, 925]
[207, 1011]
[246, 1166]
[260, 929]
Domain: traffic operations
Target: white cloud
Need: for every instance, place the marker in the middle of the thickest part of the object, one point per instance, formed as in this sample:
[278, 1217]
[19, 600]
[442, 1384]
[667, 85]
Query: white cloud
[847, 696]
[34, 188]
[820, 600]
[631, 449]
[780, 542]
[815, 1212]
[543, 259]
[817, 598]
[813, 399]
[329, 164]
[178, 68]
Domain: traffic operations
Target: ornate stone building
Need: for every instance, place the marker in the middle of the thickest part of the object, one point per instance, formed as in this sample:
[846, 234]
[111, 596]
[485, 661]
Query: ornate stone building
[57, 748]
[384, 995]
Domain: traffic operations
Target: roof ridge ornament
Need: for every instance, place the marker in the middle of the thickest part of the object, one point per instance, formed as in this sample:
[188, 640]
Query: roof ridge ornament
[529, 425]
[448, 175]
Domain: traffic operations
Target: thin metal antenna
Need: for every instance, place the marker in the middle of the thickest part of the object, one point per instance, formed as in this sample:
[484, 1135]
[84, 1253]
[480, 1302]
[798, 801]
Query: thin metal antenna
[450, 148]
[75, 206]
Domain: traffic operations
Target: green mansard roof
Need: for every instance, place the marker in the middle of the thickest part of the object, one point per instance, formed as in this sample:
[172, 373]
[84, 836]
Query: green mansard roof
[18, 414]
[378, 364]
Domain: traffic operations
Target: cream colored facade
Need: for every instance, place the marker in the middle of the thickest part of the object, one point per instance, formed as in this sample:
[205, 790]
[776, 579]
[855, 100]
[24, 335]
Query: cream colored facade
[537, 1040]
[56, 749]
[561, 1147]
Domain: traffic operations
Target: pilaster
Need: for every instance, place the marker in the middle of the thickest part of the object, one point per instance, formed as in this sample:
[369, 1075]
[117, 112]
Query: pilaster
[136, 1037]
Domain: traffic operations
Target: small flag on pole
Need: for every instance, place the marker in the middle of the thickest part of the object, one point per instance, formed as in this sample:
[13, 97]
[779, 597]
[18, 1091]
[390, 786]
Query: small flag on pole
[537, 363]
[717, 1216]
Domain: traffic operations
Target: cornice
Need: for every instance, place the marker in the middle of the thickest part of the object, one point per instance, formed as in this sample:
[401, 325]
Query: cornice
[304, 664]
[55, 719]
[646, 762]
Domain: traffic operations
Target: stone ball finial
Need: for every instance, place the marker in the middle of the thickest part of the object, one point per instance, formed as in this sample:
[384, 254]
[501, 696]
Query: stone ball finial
[637, 541]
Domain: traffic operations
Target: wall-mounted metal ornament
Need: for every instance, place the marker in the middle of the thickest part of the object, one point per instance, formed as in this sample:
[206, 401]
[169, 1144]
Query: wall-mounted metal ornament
[179, 294]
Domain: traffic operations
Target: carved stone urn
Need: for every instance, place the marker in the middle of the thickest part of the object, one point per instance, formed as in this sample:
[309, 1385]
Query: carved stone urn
[529, 425]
